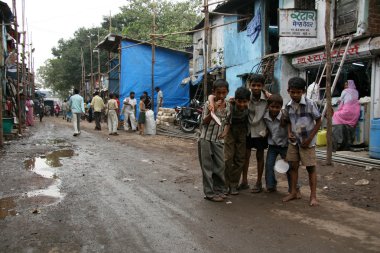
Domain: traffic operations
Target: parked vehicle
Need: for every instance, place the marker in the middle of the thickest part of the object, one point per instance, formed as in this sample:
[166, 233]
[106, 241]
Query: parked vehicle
[178, 115]
[190, 117]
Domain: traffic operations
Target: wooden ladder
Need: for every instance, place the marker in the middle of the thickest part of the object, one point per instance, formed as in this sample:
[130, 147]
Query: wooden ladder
[335, 74]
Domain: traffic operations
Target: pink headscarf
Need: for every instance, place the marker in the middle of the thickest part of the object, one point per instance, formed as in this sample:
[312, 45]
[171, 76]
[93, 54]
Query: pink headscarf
[349, 109]
[351, 91]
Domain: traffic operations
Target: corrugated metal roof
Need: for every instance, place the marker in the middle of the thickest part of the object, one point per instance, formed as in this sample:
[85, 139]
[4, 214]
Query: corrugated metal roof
[110, 43]
[227, 7]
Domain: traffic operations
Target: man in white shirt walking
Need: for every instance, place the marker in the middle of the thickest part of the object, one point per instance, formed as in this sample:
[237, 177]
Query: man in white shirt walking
[76, 104]
[129, 111]
[160, 98]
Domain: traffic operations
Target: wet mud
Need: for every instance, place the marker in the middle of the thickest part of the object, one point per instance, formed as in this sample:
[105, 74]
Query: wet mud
[144, 194]
[7, 207]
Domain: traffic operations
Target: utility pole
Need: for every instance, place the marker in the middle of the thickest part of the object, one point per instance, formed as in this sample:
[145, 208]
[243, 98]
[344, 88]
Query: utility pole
[205, 47]
[23, 78]
[99, 75]
[18, 66]
[153, 51]
[110, 27]
[92, 74]
[328, 82]
[82, 83]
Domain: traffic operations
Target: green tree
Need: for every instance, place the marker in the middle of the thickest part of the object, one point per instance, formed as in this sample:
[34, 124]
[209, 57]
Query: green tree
[135, 20]
[64, 71]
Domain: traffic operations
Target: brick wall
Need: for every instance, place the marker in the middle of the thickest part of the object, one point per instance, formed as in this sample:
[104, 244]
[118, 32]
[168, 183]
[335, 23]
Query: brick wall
[374, 17]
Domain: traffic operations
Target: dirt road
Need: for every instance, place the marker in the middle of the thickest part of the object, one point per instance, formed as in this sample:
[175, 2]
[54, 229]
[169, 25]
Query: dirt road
[127, 193]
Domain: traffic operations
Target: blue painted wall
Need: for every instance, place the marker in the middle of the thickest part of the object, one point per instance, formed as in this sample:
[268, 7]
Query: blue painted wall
[240, 55]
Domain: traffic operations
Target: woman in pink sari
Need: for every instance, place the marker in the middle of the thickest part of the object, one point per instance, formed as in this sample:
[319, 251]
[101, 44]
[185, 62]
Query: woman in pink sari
[346, 117]
[29, 114]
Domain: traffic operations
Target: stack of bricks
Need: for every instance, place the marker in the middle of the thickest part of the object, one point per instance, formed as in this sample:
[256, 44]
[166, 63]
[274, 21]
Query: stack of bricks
[165, 116]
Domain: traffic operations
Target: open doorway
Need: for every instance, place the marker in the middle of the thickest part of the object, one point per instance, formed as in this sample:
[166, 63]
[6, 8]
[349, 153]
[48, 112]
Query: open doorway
[272, 27]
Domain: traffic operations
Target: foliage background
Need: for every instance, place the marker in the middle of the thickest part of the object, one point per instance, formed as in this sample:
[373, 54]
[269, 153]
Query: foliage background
[64, 71]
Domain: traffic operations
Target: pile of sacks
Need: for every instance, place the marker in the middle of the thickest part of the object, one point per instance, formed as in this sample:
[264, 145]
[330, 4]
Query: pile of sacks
[165, 116]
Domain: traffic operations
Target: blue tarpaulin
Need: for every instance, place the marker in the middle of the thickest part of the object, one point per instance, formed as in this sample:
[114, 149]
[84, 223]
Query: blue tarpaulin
[170, 69]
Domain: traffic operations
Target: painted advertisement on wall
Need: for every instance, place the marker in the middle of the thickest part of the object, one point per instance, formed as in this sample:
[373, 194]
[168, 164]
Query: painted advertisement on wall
[357, 50]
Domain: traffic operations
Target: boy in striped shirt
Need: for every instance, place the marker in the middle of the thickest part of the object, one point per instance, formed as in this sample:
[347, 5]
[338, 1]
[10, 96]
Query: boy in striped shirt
[211, 143]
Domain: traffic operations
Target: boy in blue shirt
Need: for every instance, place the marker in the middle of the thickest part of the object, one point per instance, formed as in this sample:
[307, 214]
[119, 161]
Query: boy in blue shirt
[305, 121]
[277, 142]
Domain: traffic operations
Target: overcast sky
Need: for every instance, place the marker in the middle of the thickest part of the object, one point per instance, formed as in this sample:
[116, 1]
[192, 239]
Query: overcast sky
[50, 20]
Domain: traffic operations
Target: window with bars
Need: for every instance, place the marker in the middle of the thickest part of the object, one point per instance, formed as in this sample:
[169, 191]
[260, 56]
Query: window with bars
[304, 4]
[346, 17]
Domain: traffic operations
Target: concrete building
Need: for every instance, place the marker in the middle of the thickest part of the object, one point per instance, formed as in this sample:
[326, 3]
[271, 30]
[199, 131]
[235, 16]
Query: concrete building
[232, 50]
[303, 56]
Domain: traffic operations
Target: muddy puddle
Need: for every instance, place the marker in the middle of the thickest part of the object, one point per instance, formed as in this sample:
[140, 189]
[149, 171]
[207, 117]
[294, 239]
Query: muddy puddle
[7, 207]
[47, 167]
[51, 160]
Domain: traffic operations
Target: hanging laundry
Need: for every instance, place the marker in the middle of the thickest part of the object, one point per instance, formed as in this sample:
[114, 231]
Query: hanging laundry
[254, 27]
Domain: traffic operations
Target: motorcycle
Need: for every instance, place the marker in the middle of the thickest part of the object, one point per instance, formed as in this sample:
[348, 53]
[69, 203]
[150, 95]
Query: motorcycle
[190, 117]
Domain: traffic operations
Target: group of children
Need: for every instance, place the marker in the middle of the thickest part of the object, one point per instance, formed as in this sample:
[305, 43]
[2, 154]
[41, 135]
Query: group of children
[257, 119]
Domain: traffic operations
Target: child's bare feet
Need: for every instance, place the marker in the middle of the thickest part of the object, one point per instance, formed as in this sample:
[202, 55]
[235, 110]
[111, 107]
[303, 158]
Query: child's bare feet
[313, 201]
[290, 197]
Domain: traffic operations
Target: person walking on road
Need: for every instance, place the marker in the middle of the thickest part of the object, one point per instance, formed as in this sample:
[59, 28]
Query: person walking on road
[129, 111]
[64, 109]
[41, 109]
[112, 109]
[160, 98]
[29, 114]
[142, 114]
[76, 104]
[97, 105]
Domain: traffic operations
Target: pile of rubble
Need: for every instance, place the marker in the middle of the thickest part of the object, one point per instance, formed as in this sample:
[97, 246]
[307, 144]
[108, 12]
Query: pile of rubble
[165, 116]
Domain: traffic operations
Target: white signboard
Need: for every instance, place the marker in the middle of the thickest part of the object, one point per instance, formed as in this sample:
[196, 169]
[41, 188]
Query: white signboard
[297, 23]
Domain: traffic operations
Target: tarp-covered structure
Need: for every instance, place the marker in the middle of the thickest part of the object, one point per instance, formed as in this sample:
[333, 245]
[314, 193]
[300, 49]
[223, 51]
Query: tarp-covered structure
[111, 43]
[170, 68]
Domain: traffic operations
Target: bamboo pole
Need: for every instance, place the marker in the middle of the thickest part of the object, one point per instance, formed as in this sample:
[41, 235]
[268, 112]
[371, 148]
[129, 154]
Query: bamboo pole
[82, 87]
[328, 82]
[23, 78]
[17, 66]
[99, 75]
[205, 49]
[153, 51]
[1, 97]
[229, 14]
[198, 30]
[91, 71]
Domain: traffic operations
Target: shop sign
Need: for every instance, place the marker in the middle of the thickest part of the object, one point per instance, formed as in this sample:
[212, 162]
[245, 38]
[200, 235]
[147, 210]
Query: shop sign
[297, 23]
[355, 51]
